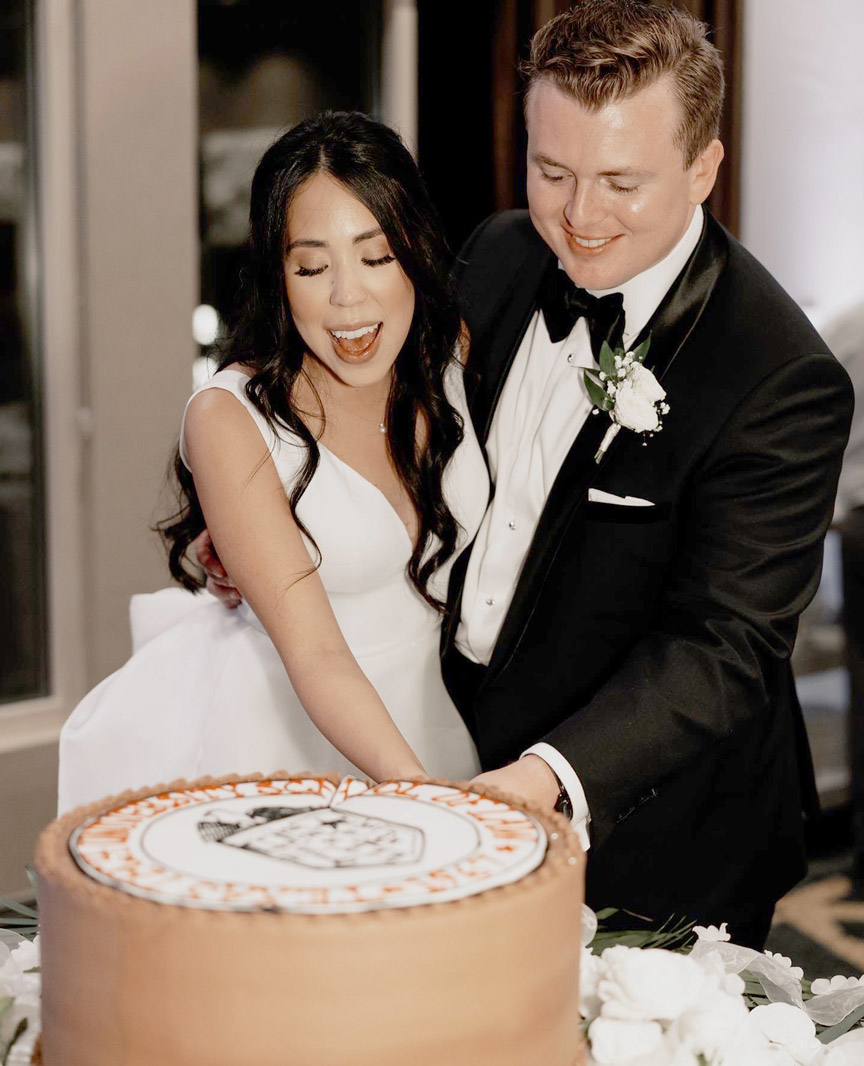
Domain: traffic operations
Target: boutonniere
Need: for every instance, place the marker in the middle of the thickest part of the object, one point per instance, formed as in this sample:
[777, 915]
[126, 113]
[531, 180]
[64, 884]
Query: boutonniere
[628, 391]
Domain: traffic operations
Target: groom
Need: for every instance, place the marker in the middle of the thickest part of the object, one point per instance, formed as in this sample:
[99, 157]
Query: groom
[621, 630]
[626, 625]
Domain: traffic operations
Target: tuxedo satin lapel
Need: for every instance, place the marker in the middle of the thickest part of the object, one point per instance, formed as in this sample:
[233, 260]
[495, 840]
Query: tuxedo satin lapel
[493, 359]
[669, 327]
[682, 306]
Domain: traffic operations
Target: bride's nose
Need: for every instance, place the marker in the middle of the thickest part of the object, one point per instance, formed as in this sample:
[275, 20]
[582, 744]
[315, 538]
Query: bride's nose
[346, 287]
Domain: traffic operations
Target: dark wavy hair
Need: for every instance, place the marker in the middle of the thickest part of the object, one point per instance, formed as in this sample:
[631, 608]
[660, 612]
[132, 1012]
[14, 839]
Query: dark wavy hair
[372, 163]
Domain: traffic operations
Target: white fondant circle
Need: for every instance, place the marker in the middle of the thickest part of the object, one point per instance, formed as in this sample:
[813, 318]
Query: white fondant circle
[308, 846]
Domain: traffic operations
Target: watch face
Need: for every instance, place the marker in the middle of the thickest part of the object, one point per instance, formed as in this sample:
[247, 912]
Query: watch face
[308, 846]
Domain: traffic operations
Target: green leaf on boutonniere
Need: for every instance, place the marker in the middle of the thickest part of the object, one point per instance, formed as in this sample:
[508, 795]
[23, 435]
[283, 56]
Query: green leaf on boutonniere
[640, 352]
[607, 360]
[597, 393]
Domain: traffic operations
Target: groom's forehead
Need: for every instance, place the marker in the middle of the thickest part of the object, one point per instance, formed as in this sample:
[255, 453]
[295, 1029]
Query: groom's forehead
[650, 117]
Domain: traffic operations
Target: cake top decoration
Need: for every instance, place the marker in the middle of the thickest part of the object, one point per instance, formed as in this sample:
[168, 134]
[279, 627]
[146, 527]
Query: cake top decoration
[308, 846]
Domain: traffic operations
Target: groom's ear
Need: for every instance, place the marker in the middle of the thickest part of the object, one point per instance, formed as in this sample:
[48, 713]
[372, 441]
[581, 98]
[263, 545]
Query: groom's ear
[703, 171]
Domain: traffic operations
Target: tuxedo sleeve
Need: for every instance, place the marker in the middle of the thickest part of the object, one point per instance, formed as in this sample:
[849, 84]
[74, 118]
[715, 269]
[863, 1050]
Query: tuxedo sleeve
[752, 522]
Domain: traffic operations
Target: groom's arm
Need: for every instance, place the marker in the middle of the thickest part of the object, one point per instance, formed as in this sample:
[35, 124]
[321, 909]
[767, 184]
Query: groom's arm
[748, 564]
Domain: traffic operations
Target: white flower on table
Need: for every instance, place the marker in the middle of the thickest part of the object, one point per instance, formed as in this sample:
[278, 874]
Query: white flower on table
[789, 1028]
[653, 1007]
[650, 984]
[614, 1041]
[23, 988]
[590, 968]
[822, 985]
[786, 962]
[714, 1026]
[712, 934]
[846, 1050]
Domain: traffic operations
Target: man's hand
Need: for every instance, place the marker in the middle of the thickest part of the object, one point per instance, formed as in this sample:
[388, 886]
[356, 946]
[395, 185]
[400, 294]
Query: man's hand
[528, 779]
[218, 582]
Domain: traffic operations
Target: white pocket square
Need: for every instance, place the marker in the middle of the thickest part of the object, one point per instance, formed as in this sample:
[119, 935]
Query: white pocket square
[599, 496]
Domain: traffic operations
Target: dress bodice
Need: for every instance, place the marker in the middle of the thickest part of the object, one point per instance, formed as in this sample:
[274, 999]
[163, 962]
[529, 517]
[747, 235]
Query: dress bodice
[363, 544]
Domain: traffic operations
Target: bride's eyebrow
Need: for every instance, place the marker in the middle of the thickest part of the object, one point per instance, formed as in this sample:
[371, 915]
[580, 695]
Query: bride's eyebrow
[308, 242]
[368, 235]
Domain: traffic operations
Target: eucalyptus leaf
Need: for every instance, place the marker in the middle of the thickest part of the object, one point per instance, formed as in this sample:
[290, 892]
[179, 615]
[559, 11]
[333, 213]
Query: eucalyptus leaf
[632, 939]
[597, 392]
[641, 351]
[752, 986]
[34, 884]
[20, 1030]
[17, 908]
[607, 912]
[633, 914]
[607, 359]
[851, 1020]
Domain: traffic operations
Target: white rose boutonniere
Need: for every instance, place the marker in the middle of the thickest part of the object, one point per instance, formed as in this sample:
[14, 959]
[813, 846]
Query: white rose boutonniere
[628, 391]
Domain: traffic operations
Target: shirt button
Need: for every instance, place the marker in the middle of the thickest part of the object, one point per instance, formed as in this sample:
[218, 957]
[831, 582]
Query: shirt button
[511, 524]
[490, 602]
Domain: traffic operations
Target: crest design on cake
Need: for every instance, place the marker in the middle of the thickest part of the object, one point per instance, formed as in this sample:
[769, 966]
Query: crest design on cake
[308, 846]
[323, 838]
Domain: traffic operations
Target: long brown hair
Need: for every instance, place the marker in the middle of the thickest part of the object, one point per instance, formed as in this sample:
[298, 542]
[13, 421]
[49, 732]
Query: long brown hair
[371, 162]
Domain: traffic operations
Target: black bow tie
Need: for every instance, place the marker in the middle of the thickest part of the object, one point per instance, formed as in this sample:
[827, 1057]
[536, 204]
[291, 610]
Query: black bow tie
[562, 303]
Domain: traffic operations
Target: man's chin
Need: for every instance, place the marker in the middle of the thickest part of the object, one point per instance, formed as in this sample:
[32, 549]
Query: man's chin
[594, 276]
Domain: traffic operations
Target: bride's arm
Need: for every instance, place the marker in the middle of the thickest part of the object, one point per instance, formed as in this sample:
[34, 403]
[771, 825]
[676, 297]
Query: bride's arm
[258, 541]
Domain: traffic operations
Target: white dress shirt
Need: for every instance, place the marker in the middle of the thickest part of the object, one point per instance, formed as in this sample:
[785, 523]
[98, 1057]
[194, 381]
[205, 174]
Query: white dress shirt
[542, 408]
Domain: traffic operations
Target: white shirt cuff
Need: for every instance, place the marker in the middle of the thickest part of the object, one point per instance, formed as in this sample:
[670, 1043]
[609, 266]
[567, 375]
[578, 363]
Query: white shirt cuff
[570, 783]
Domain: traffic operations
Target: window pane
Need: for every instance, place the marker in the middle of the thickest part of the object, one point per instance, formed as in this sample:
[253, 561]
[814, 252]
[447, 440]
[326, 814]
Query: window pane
[23, 659]
[264, 67]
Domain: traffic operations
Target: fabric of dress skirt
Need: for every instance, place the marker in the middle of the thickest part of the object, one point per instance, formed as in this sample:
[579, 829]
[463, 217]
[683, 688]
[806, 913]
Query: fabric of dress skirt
[205, 691]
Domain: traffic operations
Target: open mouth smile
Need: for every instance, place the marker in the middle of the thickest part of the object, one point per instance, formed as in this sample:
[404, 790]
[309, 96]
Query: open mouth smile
[356, 345]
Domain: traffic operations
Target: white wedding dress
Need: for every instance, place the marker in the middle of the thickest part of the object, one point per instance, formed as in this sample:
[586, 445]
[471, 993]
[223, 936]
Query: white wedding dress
[205, 691]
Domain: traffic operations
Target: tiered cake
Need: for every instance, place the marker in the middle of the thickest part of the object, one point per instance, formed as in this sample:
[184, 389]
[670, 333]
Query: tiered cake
[311, 922]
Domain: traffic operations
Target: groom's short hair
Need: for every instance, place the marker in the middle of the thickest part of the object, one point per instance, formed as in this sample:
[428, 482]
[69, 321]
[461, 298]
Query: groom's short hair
[604, 50]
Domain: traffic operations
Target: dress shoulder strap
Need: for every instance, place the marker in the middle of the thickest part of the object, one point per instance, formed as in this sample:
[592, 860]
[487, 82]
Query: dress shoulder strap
[233, 381]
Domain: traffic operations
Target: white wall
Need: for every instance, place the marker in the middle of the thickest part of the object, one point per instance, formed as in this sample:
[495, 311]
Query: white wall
[118, 141]
[138, 211]
[803, 148]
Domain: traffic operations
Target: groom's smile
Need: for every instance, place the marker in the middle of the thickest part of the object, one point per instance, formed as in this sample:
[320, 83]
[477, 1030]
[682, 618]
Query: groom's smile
[587, 246]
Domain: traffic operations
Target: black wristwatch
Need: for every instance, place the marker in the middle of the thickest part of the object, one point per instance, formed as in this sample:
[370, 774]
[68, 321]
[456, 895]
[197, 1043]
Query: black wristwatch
[563, 804]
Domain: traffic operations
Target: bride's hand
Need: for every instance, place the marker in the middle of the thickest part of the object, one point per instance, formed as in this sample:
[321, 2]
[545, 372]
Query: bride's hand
[219, 584]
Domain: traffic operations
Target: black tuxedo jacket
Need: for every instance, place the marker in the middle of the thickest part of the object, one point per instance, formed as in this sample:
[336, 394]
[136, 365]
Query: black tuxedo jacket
[651, 645]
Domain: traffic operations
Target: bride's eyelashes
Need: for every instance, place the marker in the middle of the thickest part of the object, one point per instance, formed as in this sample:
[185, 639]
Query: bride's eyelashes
[308, 272]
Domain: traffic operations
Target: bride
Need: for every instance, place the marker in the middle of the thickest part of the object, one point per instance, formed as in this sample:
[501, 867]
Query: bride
[333, 462]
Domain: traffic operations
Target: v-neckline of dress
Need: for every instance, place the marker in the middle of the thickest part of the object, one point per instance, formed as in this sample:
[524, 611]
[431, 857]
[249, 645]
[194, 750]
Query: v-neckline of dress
[372, 486]
[357, 473]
